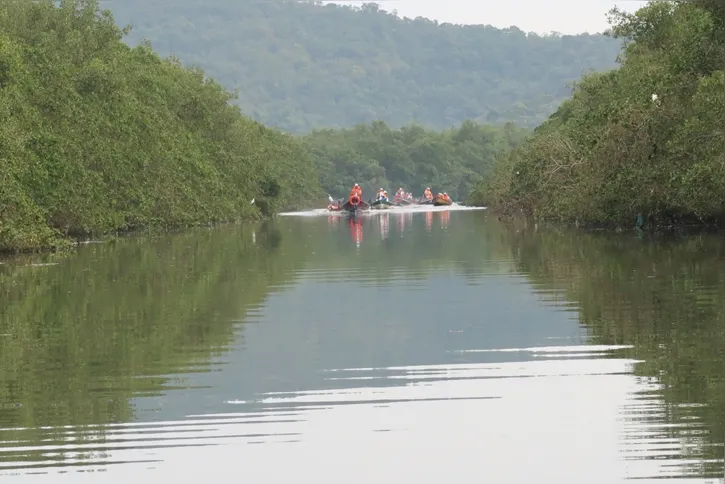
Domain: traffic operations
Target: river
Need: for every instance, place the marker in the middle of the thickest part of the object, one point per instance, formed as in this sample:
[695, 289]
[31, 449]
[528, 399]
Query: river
[419, 346]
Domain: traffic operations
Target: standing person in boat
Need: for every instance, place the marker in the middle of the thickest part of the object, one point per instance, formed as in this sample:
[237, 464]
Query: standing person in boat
[446, 197]
[379, 195]
[385, 196]
[356, 190]
[428, 194]
[355, 197]
[400, 194]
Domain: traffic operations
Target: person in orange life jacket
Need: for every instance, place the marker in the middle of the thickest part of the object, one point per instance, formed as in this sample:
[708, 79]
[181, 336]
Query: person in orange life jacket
[356, 190]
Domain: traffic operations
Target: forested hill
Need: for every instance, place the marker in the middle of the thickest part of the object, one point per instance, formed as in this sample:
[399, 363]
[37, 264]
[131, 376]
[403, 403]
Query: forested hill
[96, 137]
[647, 139]
[300, 65]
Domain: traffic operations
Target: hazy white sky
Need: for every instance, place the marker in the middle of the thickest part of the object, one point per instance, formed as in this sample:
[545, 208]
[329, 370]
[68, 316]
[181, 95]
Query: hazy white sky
[543, 16]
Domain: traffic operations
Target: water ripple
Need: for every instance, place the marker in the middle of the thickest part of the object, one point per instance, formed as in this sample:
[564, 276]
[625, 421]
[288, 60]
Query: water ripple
[462, 423]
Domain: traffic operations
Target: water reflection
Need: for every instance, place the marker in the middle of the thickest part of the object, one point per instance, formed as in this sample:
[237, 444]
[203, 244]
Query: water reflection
[478, 352]
[444, 217]
[356, 230]
[80, 338]
[472, 421]
[403, 220]
[664, 296]
[384, 221]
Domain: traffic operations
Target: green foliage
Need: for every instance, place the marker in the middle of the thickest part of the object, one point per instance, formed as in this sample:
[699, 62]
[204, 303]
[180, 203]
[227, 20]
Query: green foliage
[612, 151]
[411, 157]
[303, 65]
[96, 136]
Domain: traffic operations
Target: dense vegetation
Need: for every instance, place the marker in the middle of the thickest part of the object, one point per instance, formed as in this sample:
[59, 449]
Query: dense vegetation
[301, 65]
[411, 157]
[614, 150]
[96, 136]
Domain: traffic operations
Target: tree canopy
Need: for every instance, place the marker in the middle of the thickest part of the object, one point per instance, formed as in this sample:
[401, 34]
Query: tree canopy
[96, 136]
[411, 157]
[303, 65]
[645, 139]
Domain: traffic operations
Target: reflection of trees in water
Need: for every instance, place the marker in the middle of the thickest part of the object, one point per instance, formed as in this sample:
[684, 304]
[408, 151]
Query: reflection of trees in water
[272, 237]
[114, 320]
[665, 297]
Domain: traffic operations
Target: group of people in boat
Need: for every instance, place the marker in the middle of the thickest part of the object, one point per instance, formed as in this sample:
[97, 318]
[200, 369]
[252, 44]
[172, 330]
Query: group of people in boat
[356, 197]
[401, 195]
[382, 194]
[428, 195]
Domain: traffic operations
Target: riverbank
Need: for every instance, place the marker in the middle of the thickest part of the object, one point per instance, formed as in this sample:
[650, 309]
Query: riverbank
[646, 139]
[99, 138]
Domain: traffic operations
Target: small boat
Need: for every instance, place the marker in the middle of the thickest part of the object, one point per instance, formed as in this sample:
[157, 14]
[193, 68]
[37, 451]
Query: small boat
[402, 201]
[381, 204]
[354, 203]
[440, 200]
[334, 206]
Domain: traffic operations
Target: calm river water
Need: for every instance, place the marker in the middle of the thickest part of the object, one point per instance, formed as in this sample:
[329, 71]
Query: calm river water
[423, 347]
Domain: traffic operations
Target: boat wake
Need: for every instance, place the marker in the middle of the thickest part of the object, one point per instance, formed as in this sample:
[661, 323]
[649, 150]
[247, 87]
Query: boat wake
[409, 209]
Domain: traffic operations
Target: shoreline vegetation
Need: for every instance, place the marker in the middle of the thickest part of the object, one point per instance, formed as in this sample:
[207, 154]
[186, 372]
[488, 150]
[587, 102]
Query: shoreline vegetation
[100, 138]
[97, 137]
[641, 145]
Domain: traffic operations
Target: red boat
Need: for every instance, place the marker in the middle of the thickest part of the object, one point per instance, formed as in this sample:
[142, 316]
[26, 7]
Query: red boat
[355, 203]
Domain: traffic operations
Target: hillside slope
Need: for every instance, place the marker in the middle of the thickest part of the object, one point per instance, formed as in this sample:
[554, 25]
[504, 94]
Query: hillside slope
[97, 137]
[645, 140]
[300, 66]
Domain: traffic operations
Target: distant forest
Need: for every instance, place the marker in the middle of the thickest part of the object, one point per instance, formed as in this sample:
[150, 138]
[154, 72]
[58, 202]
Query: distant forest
[302, 65]
[451, 160]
